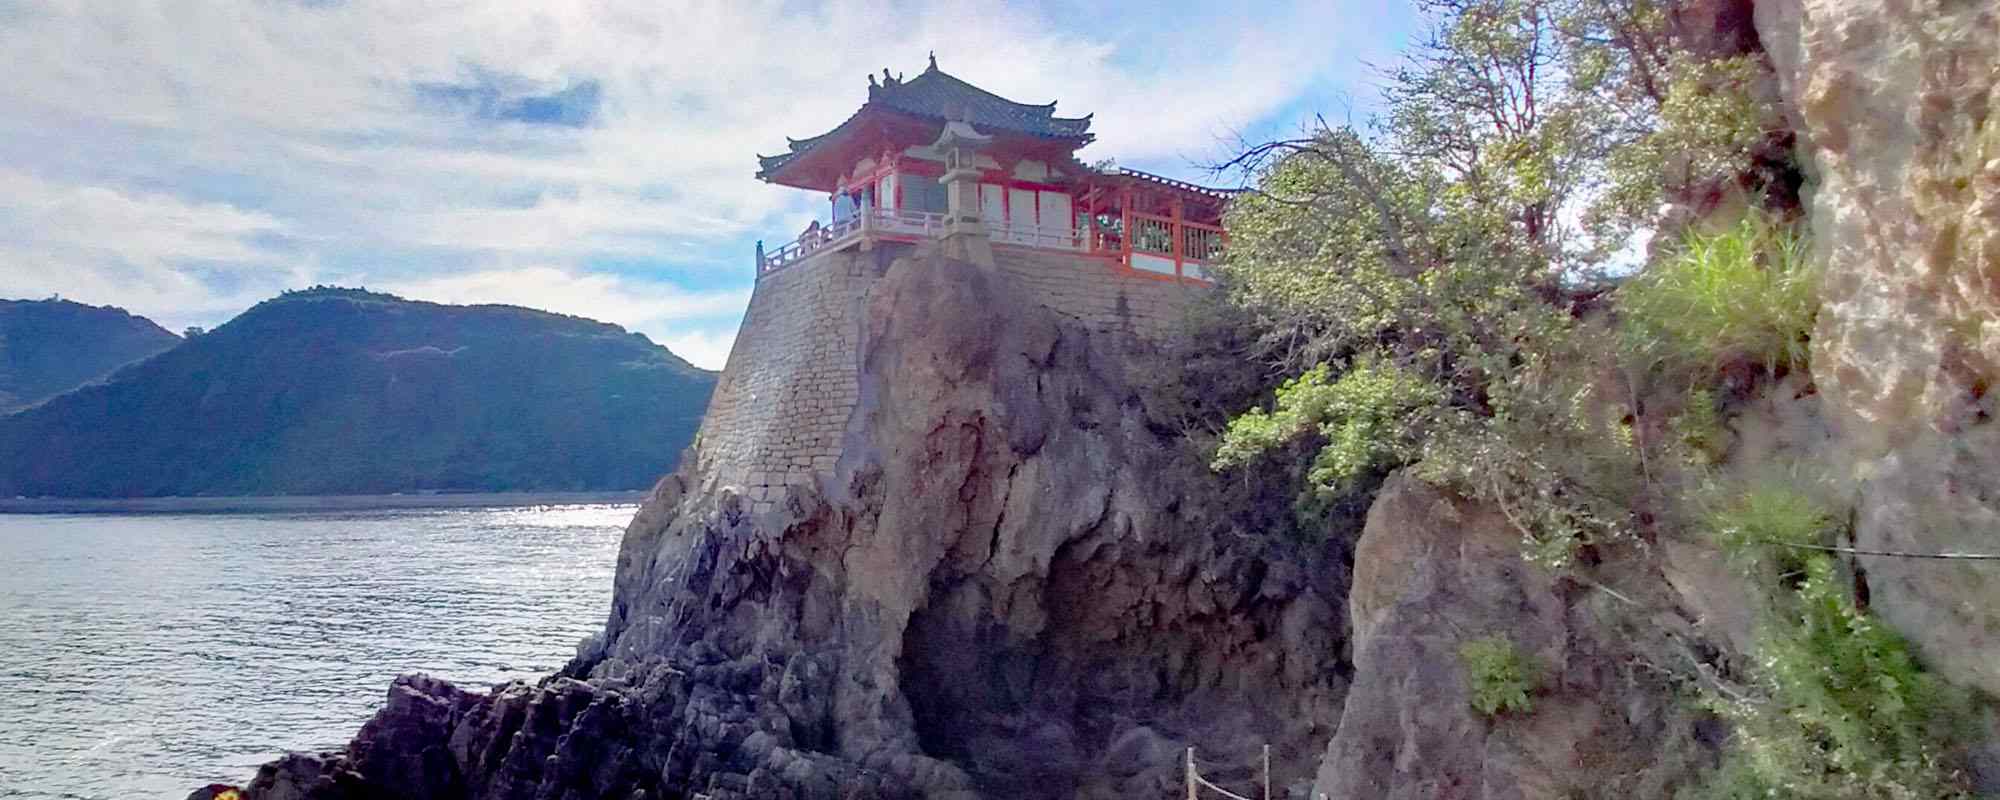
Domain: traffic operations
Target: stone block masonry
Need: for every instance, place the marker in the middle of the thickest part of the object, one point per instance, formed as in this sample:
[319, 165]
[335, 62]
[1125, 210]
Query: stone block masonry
[792, 380]
[1095, 293]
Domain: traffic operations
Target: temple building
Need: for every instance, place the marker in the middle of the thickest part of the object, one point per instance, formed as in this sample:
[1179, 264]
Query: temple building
[931, 156]
[933, 166]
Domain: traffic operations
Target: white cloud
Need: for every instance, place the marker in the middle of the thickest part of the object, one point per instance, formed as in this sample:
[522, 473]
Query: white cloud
[132, 228]
[708, 349]
[175, 261]
[134, 117]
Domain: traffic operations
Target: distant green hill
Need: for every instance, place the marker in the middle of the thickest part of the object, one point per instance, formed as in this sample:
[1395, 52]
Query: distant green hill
[48, 347]
[341, 391]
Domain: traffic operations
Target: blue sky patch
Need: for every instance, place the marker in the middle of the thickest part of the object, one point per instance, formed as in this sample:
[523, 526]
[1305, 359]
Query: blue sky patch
[494, 97]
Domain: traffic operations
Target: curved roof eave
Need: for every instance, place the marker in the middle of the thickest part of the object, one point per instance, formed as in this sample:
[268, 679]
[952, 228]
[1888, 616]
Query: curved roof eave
[937, 96]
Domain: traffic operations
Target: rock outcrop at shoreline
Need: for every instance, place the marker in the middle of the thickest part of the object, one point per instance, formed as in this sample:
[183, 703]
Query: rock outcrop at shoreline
[1009, 586]
[1015, 582]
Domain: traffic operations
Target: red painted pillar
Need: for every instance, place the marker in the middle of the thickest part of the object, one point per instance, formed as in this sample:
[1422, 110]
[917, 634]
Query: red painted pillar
[1180, 239]
[1090, 218]
[1125, 219]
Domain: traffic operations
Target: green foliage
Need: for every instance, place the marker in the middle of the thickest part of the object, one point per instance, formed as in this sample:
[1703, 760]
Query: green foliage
[1709, 123]
[1317, 259]
[1463, 242]
[1839, 706]
[1551, 449]
[1368, 418]
[1847, 712]
[1699, 427]
[1449, 246]
[1498, 675]
[1744, 293]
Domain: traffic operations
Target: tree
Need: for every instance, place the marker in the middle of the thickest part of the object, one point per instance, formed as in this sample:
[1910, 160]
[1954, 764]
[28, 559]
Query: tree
[1460, 239]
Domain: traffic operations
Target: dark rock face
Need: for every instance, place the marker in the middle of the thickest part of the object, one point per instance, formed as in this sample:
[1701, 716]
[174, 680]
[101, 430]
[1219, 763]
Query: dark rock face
[1432, 573]
[1010, 586]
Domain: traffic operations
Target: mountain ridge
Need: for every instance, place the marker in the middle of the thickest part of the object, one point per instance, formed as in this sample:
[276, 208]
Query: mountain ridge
[333, 390]
[48, 347]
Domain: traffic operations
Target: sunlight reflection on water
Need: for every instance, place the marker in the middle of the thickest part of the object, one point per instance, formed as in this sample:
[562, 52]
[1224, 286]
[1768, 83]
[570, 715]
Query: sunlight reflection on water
[141, 656]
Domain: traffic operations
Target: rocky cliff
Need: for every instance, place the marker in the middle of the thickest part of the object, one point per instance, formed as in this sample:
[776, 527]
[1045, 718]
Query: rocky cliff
[1012, 578]
[1011, 584]
[1895, 104]
[1434, 573]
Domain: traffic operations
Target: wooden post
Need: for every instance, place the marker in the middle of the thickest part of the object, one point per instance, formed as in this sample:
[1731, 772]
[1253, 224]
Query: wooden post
[1190, 750]
[1125, 234]
[867, 226]
[1267, 772]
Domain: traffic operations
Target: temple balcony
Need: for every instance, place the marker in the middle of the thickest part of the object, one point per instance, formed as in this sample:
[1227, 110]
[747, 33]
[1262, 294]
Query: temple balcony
[1159, 247]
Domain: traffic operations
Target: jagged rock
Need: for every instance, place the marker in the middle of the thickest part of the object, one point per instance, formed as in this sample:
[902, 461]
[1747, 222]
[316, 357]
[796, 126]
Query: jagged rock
[1011, 585]
[1894, 103]
[1433, 572]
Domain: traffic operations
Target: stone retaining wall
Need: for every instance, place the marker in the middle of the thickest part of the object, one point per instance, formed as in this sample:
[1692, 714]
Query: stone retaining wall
[792, 379]
[1097, 294]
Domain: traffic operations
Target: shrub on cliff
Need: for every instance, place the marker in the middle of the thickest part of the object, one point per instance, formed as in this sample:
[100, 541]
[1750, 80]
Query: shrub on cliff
[1368, 417]
[1843, 710]
[1745, 293]
[1465, 242]
[1837, 705]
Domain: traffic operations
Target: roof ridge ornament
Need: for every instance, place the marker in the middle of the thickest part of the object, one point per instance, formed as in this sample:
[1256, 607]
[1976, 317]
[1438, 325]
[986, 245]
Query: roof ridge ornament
[933, 66]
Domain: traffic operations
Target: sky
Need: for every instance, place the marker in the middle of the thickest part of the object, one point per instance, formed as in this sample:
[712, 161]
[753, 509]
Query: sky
[184, 159]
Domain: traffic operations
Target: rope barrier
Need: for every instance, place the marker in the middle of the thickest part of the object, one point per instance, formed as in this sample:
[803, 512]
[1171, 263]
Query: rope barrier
[1195, 782]
[1856, 551]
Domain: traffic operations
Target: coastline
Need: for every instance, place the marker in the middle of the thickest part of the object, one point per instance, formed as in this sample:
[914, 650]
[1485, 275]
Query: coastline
[307, 503]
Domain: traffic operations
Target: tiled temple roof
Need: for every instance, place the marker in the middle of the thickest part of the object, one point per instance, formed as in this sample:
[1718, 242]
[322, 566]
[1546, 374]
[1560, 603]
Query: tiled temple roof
[1162, 180]
[935, 95]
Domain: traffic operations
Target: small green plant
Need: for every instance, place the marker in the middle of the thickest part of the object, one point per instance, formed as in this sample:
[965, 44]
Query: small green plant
[1498, 675]
[1762, 527]
[1698, 428]
[1745, 293]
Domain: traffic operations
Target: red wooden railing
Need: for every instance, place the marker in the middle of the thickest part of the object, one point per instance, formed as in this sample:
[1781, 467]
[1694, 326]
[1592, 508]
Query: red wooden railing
[1187, 245]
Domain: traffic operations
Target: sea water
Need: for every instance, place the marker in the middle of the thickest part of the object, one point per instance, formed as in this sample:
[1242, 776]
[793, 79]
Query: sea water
[142, 656]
